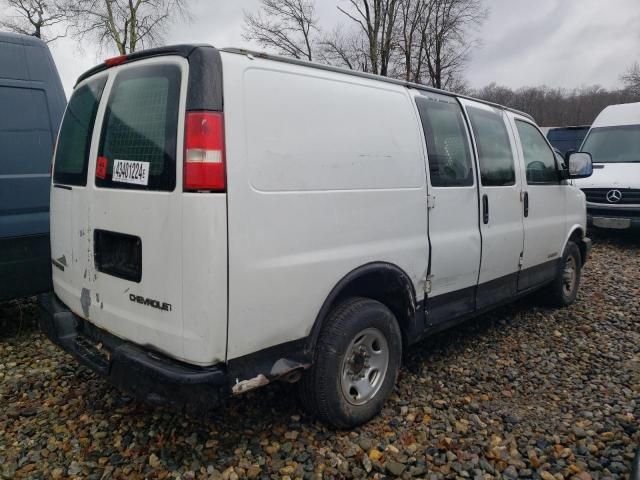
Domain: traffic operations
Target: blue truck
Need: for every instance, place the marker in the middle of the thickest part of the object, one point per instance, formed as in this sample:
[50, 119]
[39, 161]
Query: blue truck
[32, 102]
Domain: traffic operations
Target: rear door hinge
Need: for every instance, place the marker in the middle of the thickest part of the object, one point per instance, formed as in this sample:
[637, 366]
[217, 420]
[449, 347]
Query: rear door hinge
[431, 202]
[521, 260]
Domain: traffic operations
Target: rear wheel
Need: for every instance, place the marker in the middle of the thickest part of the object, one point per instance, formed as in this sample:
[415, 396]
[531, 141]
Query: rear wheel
[356, 363]
[564, 289]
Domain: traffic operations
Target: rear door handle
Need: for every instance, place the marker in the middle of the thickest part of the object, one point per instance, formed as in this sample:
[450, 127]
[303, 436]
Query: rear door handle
[525, 202]
[485, 209]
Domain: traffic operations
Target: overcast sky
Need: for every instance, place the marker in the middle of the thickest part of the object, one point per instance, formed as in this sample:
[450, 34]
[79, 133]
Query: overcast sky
[560, 43]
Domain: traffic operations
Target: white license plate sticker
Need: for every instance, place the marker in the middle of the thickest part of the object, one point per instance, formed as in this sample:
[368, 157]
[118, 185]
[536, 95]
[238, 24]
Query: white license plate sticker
[129, 171]
[617, 223]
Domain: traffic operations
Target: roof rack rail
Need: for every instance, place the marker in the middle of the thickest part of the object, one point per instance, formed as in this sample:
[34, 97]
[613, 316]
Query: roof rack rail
[371, 76]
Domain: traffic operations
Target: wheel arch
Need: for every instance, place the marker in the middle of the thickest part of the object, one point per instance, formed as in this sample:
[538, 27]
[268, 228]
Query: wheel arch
[381, 281]
[576, 235]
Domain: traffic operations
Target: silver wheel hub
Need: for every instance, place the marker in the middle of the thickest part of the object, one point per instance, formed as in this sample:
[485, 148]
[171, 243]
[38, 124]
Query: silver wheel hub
[364, 366]
[569, 276]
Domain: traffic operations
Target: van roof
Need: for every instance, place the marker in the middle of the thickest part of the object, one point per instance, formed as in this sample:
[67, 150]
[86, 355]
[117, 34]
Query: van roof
[371, 76]
[187, 49]
[623, 114]
[20, 39]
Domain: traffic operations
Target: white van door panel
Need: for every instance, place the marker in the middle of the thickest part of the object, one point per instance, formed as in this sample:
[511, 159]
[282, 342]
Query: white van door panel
[325, 174]
[69, 198]
[501, 208]
[454, 234]
[545, 214]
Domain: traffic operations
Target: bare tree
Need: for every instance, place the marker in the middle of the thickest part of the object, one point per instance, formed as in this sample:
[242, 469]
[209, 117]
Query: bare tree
[377, 20]
[557, 106]
[446, 38]
[412, 34]
[32, 17]
[349, 50]
[127, 25]
[631, 79]
[285, 25]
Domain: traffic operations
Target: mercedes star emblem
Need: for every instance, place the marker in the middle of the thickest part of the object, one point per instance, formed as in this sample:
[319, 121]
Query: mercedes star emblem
[614, 196]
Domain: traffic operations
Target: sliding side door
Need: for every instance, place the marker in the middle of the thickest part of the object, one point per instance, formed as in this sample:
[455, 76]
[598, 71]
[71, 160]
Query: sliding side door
[454, 233]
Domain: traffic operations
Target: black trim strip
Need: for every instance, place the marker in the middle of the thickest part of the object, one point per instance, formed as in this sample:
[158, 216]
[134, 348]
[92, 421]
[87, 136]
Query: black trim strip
[540, 274]
[205, 73]
[450, 305]
[448, 309]
[57, 264]
[494, 291]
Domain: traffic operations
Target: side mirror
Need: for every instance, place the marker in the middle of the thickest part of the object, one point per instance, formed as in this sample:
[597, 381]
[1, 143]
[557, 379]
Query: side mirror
[579, 165]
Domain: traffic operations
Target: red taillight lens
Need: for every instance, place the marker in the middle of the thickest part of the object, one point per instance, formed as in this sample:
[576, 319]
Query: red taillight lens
[204, 152]
[112, 62]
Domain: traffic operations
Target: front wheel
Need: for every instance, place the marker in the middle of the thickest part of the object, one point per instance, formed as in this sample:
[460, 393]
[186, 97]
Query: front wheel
[564, 288]
[356, 363]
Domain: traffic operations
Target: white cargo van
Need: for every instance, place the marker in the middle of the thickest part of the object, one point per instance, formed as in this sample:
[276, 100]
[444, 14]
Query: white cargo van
[613, 192]
[222, 219]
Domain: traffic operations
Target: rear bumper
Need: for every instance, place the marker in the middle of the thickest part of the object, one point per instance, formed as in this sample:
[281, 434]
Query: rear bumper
[141, 372]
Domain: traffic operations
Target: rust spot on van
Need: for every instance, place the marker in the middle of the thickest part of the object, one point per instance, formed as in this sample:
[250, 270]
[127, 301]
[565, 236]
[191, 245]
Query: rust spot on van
[246, 385]
[283, 369]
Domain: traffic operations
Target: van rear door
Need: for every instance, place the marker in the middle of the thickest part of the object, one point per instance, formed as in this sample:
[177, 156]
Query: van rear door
[118, 229]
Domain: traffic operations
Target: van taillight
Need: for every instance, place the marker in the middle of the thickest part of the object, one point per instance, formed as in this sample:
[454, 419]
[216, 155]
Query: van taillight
[204, 152]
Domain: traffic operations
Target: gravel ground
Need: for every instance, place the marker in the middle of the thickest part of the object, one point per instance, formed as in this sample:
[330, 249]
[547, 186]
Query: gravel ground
[523, 392]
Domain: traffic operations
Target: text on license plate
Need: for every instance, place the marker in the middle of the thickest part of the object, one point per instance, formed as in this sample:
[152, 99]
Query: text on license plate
[129, 171]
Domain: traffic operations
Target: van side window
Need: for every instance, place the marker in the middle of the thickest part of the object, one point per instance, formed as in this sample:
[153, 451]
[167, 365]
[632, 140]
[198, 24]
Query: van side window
[74, 142]
[450, 163]
[494, 148]
[140, 128]
[539, 159]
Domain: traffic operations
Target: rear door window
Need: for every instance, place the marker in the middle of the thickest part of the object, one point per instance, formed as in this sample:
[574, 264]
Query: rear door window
[74, 142]
[139, 134]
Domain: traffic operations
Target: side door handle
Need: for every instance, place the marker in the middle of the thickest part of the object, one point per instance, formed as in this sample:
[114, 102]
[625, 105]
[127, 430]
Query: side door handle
[485, 209]
[525, 202]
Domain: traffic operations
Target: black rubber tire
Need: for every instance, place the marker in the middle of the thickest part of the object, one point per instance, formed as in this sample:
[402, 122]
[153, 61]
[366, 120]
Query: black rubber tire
[320, 390]
[555, 293]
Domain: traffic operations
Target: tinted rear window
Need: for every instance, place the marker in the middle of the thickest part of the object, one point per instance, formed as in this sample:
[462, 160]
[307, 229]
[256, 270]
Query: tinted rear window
[140, 125]
[74, 142]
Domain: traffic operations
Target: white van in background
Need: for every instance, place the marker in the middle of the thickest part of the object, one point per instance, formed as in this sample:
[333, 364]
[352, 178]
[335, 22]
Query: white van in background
[222, 219]
[613, 192]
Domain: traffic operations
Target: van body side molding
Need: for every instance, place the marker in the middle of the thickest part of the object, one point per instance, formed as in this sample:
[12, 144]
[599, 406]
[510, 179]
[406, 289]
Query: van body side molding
[460, 305]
